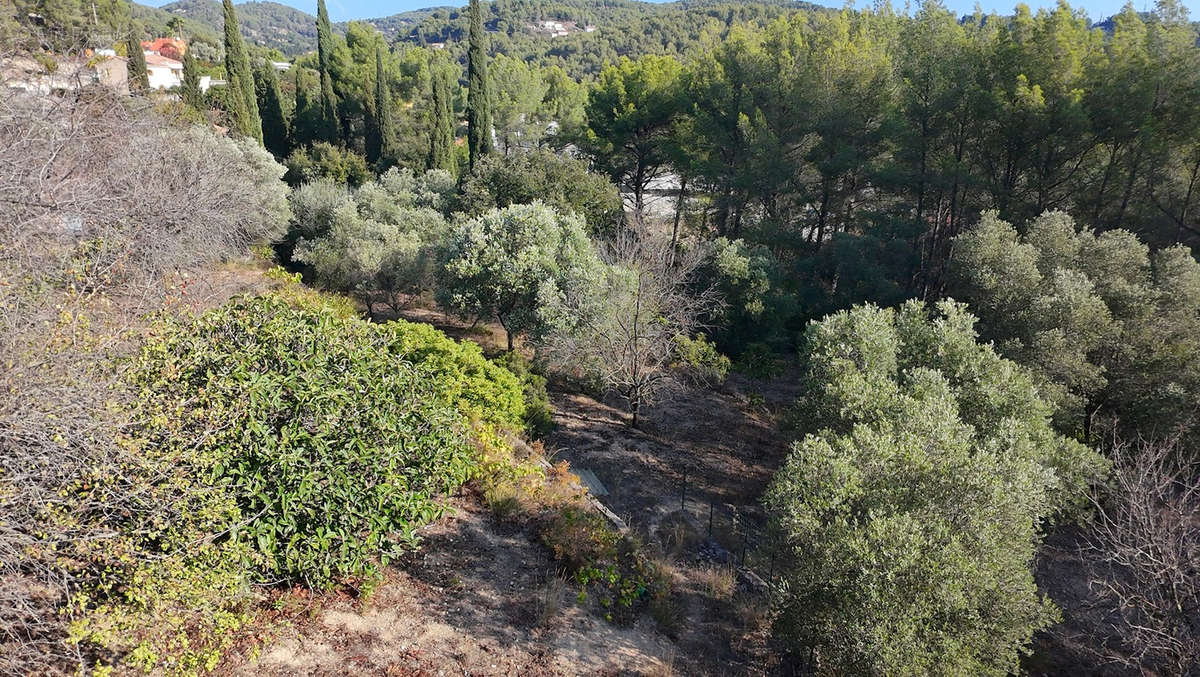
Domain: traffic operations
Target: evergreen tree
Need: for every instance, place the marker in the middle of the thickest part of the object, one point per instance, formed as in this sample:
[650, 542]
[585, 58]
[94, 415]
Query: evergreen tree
[383, 111]
[479, 113]
[372, 138]
[190, 90]
[307, 119]
[441, 139]
[242, 102]
[270, 103]
[139, 79]
[329, 125]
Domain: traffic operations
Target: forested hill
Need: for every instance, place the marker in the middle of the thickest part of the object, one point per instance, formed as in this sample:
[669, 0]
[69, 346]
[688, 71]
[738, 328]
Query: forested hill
[266, 24]
[624, 27]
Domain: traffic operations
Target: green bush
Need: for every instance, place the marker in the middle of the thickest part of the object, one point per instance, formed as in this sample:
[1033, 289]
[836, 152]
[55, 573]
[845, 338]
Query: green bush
[324, 160]
[699, 360]
[333, 436]
[759, 361]
[538, 419]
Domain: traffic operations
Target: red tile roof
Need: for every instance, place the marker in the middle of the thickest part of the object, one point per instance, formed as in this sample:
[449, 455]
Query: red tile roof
[157, 60]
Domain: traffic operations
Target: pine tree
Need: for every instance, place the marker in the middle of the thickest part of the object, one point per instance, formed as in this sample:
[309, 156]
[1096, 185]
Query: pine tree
[270, 104]
[139, 79]
[241, 80]
[190, 90]
[383, 111]
[329, 120]
[479, 113]
[441, 140]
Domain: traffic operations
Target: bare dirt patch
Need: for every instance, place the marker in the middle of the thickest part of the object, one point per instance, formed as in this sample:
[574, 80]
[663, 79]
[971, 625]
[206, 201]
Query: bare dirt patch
[472, 601]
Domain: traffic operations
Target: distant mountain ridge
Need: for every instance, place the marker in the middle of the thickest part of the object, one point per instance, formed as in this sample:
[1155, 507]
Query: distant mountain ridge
[293, 32]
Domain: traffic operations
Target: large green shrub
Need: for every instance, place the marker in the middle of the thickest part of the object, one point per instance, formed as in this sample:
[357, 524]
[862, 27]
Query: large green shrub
[333, 436]
[909, 516]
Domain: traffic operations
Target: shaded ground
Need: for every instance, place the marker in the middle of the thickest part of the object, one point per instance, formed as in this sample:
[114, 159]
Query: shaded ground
[1071, 647]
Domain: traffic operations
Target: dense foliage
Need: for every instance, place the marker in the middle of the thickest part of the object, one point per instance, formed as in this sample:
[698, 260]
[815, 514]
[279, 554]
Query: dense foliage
[1111, 329]
[910, 513]
[377, 242]
[517, 264]
[112, 209]
[333, 437]
[559, 181]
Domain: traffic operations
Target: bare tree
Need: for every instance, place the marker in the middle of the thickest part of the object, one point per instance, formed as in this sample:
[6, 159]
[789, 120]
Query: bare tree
[624, 331]
[1143, 548]
[105, 207]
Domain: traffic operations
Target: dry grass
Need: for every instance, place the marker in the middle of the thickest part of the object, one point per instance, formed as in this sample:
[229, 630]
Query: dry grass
[718, 581]
[549, 602]
[665, 667]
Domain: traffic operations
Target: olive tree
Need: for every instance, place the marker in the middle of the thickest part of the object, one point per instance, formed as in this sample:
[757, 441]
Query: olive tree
[517, 264]
[909, 515]
[377, 242]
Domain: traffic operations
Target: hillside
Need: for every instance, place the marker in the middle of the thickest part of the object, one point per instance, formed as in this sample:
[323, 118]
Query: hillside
[266, 24]
[625, 27]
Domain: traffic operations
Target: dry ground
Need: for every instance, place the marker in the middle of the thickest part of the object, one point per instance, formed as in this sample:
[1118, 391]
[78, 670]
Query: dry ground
[482, 597]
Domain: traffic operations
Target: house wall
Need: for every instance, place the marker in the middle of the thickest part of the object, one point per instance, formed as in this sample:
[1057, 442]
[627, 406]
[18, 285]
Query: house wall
[163, 77]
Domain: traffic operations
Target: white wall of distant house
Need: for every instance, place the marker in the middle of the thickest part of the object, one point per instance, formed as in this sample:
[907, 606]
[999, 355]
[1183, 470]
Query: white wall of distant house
[163, 77]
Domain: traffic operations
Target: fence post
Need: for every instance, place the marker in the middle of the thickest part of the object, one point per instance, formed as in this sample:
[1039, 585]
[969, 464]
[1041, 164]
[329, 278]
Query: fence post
[745, 541]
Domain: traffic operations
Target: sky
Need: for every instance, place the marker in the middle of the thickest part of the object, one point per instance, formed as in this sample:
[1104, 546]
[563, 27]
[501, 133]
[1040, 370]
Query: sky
[345, 10]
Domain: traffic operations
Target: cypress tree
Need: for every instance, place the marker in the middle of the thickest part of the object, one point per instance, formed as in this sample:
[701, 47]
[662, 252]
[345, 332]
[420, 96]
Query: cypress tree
[139, 79]
[383, 110]
[441, 139]
[190, 89]
[372, 138]
[270, 104]
[329, 120]
[241, 80]
[479, 112]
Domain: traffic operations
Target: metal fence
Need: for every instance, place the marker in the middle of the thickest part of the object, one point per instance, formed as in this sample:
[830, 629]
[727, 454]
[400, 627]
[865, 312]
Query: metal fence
[732, 534]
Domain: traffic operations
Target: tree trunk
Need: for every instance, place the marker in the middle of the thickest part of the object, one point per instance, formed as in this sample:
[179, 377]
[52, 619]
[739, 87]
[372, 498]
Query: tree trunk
[678, 212]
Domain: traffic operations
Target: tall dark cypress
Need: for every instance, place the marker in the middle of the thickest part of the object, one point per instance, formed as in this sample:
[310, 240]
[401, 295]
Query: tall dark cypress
[479, 106]
[329, 119]
[306, 116]
[139, 79]
[190, 90]
[241, 80]
[383, 110]
[441, 138]
[270, 105]
[372, 139]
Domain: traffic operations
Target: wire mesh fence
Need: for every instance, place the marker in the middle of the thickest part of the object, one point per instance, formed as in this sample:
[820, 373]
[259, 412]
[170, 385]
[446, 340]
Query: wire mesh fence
[734, 535]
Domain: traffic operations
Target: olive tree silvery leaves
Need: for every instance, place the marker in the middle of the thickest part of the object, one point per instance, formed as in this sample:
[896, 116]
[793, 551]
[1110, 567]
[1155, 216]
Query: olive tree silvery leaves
[377, 242]
[522, 265]
[908, 516]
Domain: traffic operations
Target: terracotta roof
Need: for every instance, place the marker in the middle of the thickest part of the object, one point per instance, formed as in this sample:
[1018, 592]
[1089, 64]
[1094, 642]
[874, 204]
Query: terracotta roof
[158, 60]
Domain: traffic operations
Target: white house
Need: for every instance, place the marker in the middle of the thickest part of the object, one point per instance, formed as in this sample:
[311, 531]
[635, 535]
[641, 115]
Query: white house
[208, 81]
[164, 73]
